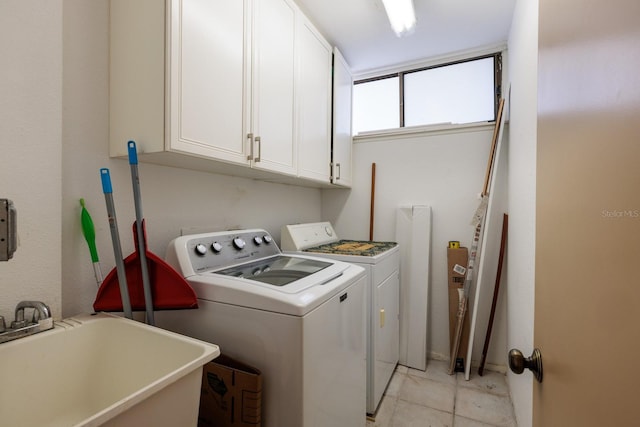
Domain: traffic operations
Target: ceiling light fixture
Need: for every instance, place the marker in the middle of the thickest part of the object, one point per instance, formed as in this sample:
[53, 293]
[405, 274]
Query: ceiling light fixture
[401, 15]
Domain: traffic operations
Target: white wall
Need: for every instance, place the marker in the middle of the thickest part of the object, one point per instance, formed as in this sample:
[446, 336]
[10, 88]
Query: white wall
[30, 147]
[523, 67]
[54, 136]
[443, 170]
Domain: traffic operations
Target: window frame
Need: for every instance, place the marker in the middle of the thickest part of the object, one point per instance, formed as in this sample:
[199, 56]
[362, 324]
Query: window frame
[497, 81]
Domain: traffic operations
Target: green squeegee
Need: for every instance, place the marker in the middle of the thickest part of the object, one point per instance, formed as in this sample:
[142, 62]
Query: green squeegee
[90, 236]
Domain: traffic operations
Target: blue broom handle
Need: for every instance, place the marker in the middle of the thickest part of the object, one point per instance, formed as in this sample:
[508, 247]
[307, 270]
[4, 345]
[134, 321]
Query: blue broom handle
[115, 237]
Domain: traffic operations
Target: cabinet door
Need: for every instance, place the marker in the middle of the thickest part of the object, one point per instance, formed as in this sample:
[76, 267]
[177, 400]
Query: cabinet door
[208, 72]
[273, 86]
[314, 103]
[342, 100]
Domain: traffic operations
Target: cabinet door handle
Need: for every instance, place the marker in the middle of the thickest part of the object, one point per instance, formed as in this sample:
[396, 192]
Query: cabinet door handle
[250, 138]
[259, 142]
[338, 170]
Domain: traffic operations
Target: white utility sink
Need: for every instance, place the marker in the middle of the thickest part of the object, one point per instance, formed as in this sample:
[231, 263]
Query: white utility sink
[101, 369]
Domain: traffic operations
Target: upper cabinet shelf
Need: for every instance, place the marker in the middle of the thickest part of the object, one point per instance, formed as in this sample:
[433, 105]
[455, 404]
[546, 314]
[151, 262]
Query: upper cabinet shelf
[238, 87]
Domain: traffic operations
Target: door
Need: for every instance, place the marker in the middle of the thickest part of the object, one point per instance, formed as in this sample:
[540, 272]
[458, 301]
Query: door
[273, 100]
[588, 214]
[342, 102]
[208, 85]
[314, 103]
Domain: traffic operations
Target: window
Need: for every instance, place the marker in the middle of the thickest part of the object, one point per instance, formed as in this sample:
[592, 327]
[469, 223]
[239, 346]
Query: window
[461, 92]
[375, 104]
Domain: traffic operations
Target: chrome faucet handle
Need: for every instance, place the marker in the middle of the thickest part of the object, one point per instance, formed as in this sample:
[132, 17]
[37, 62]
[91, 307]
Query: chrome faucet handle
[3, 325]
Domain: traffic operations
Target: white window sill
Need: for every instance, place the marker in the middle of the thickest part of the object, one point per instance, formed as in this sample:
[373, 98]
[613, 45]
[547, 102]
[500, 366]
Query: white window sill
[413, 131]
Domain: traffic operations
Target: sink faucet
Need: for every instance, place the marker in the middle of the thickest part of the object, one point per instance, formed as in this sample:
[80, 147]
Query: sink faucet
[40, 311]
[41, 320]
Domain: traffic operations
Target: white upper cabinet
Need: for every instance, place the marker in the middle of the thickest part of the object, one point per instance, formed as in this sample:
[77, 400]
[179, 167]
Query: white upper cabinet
[342, 139]
[209, 88]
[178, 74]
[314, 103]
[273, 99]
[226, 86]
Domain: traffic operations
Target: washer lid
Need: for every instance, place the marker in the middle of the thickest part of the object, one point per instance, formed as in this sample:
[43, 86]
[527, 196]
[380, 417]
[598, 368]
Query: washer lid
[296, 298]
[279, 270]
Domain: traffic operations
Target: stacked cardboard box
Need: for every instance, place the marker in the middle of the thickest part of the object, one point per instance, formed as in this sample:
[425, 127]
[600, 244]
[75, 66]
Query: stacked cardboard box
[231, 394]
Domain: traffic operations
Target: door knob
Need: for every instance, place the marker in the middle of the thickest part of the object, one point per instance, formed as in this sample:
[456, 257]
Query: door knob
[518, 363]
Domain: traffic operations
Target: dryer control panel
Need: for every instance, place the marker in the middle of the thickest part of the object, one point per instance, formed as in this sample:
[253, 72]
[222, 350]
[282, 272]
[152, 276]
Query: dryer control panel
[298, 237]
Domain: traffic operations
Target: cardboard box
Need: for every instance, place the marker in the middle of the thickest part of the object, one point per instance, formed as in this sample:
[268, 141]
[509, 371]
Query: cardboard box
[231, 394]
[457, 261]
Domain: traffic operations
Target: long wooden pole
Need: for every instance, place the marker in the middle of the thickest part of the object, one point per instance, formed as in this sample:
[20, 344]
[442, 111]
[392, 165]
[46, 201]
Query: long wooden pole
[492, 152]
[373, 196]
[496, 289]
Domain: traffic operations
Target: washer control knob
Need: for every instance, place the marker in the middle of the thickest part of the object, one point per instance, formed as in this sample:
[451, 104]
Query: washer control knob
[216, 247]
[329, 231]
[267, 239]
[239, 242]
[257, 240]
[201, 249]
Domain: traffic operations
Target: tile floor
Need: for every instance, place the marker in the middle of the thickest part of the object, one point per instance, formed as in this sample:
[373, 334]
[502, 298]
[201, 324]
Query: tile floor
[433, 398]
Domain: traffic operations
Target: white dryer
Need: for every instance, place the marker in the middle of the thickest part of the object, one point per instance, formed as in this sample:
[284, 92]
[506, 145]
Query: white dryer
[381, 261]
[299, 319]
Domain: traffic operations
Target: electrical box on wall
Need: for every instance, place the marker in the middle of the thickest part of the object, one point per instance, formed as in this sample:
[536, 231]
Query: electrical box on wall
[8, 233]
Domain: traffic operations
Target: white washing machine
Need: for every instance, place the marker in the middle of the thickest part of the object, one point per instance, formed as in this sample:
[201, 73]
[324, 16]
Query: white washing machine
[299, 319]
[381, 261]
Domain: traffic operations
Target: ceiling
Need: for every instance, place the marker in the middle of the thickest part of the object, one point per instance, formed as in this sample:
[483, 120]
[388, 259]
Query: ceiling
[361, 31]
